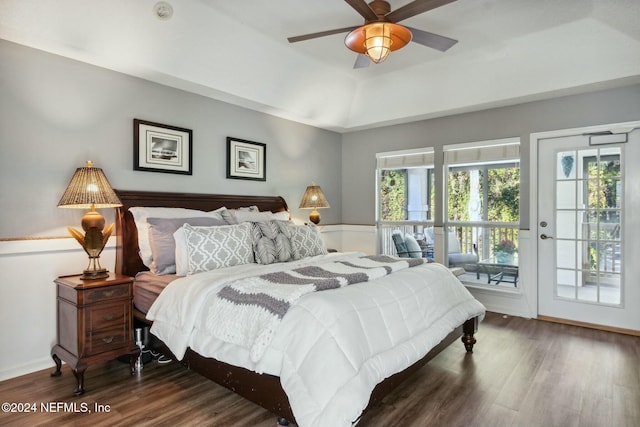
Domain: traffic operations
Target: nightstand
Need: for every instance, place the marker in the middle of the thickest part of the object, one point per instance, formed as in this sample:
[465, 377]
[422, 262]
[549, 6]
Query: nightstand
[95, 323]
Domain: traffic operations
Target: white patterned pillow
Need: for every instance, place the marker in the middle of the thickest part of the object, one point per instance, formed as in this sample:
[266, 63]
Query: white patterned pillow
[210, 248]
[272, 242]
[307, 241]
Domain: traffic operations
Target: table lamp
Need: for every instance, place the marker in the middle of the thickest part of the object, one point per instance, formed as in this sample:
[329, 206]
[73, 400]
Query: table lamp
[313, 198]
[90, 189]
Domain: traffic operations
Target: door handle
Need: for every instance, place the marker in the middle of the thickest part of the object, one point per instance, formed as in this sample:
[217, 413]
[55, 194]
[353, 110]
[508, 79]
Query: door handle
[545, 237]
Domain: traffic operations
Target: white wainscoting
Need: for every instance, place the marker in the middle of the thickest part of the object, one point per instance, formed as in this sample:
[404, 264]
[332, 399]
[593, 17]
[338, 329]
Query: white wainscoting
[347, 238]
[28, 298]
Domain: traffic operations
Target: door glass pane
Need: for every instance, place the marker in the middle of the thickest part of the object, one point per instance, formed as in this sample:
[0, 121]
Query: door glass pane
[588, 242]
[566, 194]
[566, 224]
[566, 165]
[566, 254]
[586, 290]
[566, 283]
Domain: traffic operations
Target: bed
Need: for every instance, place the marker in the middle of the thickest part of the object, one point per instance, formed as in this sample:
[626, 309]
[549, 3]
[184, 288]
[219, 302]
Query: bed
[264, 386]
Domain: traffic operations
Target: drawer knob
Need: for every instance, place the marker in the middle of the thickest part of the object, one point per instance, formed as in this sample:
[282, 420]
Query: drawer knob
[108, 317]
[108, 293]
[107, 340]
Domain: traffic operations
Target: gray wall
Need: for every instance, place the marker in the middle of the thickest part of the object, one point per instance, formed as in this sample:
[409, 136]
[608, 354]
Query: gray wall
[56, 113]
[359, 148]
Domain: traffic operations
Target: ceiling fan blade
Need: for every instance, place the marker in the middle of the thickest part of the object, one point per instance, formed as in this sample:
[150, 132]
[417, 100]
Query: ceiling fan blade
[363, 9]
[431, 40]
[414, 8]
[320, 34]
[362, 61]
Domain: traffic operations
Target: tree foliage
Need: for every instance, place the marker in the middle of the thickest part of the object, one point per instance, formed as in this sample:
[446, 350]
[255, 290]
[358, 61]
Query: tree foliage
[393, 195]
[503, 194]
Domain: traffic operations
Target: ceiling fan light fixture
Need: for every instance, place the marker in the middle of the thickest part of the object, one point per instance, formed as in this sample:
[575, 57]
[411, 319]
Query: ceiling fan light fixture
[377, 42]
[378, 39]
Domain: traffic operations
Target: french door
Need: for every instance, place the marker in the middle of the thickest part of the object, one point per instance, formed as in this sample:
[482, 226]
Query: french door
[588, 231]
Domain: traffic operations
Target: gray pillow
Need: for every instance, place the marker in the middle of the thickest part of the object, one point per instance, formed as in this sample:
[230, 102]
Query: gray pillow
[412, 246]
[272, 242]
[163, 245]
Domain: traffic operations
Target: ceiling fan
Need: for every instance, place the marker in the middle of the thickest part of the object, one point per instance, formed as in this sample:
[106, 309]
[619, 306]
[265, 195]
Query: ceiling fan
[381, 34]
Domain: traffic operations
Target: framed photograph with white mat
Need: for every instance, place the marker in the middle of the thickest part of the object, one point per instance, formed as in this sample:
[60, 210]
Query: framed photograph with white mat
[246, 159]
[162, 148]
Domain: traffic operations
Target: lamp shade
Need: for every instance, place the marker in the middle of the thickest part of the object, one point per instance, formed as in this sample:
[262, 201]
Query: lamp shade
[313, 198]
[89, 188]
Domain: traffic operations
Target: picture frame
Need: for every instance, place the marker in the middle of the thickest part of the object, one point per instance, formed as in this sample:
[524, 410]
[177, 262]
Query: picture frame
[246, 159]
[162, 148]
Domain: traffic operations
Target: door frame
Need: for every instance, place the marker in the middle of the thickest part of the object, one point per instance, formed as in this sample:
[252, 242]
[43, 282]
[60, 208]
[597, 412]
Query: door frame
[534, 141]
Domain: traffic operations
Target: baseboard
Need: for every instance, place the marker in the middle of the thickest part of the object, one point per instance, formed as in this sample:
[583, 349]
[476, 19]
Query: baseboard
[34, 366]
[590, 325]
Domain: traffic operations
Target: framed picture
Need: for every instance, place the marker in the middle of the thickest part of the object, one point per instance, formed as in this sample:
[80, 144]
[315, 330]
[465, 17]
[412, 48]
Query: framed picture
[161, 148]
[246, 159]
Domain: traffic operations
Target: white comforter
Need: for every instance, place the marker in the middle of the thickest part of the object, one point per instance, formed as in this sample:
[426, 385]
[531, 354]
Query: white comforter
[334, 346]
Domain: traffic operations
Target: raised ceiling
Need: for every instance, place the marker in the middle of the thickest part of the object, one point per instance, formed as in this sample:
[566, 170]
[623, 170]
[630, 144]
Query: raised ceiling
[509, 51]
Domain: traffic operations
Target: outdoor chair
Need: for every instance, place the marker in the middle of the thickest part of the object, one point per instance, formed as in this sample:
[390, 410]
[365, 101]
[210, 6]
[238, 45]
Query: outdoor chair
[408, 247]
[457, 258]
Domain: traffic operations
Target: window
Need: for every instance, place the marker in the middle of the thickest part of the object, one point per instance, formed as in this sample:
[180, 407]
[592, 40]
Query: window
[406, 193]
[483, 210]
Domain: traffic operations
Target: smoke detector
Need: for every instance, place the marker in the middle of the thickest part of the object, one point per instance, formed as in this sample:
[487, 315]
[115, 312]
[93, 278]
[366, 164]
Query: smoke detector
[163, 10]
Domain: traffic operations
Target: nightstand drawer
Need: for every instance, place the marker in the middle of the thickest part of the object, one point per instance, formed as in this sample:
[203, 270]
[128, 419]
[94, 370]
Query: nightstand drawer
[107, 327]
[100, 294]
[107, 316]
[105, 340]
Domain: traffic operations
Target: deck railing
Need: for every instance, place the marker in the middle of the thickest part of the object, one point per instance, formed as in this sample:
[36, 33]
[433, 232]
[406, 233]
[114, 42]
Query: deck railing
[386, 228]
[472, 237]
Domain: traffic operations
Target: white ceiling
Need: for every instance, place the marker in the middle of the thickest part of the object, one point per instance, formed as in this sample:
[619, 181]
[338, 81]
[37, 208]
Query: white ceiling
[509, 51]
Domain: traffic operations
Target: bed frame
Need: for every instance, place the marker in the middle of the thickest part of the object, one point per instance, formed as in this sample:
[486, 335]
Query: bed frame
[262, 389]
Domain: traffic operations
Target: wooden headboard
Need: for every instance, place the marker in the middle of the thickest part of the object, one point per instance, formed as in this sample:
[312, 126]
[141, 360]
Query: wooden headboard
[127, 258]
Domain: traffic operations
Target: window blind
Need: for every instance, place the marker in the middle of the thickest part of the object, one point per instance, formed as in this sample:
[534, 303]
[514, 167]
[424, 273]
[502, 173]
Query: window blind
[486, 151]
[405, 159]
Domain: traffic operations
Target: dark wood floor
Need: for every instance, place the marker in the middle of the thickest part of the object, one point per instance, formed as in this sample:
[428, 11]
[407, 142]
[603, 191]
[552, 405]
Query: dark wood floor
[522, 373]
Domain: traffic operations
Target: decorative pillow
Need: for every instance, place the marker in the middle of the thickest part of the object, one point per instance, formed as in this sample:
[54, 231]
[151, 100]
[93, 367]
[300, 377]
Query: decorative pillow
[281, 216]
[163, 245]
[415, 251]
[307, 241]
[182, 253]
[237, 216]
[141, 213]
[272, 242]
[401, 246]
[210, 248]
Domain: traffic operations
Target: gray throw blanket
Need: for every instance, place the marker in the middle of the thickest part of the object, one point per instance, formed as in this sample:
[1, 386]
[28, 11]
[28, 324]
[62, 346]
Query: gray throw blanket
[248, 311]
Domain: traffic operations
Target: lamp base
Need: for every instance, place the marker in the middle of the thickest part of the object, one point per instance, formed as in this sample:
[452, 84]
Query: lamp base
[103, 273]
[314, 217]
